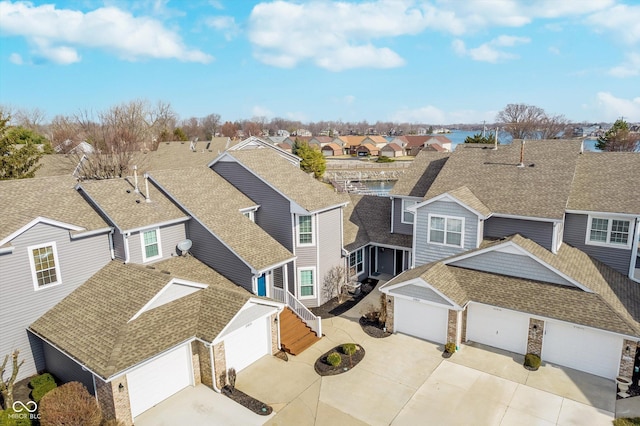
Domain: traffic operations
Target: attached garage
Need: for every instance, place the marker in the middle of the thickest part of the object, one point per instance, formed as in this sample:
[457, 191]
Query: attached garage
[420, 319]
[248, 344]
[159, 379]
[582, 348]
[497, 327]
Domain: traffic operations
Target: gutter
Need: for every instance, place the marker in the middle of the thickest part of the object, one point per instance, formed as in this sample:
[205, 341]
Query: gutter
[90, 233]
[111, 249]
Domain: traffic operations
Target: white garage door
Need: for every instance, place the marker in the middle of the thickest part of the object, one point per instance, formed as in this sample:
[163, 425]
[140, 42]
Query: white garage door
[497, 327]
[421, 320]
[158, 380]
[582, 348]
[247, 345]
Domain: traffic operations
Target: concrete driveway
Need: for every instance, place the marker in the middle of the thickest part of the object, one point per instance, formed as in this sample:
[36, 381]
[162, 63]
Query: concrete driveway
[405, 381]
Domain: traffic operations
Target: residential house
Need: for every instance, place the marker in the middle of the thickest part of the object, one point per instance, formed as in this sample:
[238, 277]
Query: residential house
[331, 150]
[367, 149]
[320, 141]
[392, 150]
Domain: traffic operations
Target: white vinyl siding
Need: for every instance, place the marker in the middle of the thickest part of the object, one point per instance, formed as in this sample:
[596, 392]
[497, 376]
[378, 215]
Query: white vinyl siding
[407, 216]
[608, 231]
[305, 231]
[446, 230]
[306, 282]
[44, 265]
[151, 248]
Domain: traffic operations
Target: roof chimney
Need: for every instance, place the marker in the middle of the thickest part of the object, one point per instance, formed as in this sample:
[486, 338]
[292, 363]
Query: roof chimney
[495, 143]
[521, 164]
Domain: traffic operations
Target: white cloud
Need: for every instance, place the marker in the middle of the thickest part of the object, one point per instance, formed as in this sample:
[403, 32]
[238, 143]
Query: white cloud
[630, 68]
[433, 115]
[57, 34]
[613, 108]
[489, 52]
[623, 21]
[260, 111]
[225, 24]
[349, 99]
[15, 58]
[554, 50]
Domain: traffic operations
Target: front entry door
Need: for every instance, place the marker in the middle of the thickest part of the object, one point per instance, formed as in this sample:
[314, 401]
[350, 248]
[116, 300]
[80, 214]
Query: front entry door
[262, 285]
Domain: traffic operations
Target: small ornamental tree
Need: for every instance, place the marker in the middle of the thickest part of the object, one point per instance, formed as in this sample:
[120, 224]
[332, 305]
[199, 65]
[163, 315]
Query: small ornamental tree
[478, 138]
[619, 138]
[6, 385]
[312, 160]
[70, 405]
[19, 157]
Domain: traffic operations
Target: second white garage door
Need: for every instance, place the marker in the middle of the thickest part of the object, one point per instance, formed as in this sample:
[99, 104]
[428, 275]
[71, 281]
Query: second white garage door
[421, 320]
[582, 348]
[497, 327]
[247, 345]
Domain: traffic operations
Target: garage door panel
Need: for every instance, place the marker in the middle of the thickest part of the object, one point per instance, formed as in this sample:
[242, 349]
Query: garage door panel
[245, 346]
[156, 381]
[421, 320]
[500, 328]
[582, 348]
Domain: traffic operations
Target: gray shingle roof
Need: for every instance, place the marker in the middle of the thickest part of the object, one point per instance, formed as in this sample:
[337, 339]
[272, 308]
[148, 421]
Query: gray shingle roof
[128, 209]
[607, 182]
[54, 198]
[287, 179]
[176, 155]
[92, 323]
[216, 203]
[419, 177]
[464, 195]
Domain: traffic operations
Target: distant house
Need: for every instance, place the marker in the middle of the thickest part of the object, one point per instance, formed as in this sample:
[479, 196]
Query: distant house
[392, 150]
[331, 149]
[416, 143]
[367, 149]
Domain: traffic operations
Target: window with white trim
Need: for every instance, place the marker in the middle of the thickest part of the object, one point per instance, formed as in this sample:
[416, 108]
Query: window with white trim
[250, 214]
[44, 265]
[306, 280]
[305, 230]
[356, 262]
[446, 230]
[609, 231]
[407, 216]
[151, 249]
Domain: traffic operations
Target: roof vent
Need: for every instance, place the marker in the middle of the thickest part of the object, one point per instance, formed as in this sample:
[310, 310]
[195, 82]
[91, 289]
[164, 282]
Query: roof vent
[184, 246]
[521, 164]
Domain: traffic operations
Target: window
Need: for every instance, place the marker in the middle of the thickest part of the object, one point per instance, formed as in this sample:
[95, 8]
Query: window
[307, 284]
[44, 265]
[407, 216]
[445, 230]
[250, 214]
[305, 230]
[608, 231]
[356, 262]
[151, 245]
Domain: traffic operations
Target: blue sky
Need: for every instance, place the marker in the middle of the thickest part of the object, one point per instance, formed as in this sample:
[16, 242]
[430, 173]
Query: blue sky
[436, 62]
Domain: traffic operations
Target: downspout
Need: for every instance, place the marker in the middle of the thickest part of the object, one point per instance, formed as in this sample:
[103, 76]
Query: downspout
[213, 369]
[126, 247]
[634, 251]
[393, 206]
[111, 249]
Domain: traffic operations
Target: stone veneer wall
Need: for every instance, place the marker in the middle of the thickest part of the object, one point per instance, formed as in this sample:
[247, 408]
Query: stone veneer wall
[534, 341]
[627, 360]
[390, 323]
[452, 327]
[274, 334]
[195, 363]
[220, 365]
[113, 401]
[463, 333]
[204, 361]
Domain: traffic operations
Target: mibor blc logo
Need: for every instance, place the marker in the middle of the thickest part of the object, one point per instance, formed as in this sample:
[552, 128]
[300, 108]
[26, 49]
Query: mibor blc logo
[24, 411]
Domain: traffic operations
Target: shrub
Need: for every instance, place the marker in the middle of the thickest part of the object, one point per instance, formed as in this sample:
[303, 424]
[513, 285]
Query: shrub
[349, 348]
[70, 404]
[627, 421]
[231, 374]
[450, 347]
[385, 159]
[22, 420]
[41, 385]
[334, 359]
[532, 361]
[383, 310]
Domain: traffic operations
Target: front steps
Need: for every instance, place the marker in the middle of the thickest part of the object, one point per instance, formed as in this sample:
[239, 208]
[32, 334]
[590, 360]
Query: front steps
[295, 335]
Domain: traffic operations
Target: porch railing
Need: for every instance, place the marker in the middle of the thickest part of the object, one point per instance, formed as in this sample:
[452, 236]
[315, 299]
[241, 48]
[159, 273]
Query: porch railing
[314, 322]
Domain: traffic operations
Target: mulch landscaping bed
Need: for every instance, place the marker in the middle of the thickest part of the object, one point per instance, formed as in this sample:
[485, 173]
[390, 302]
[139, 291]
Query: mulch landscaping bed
[634, 390]
[247, 401]
[323, 368]
[333, 309]
[373, 328]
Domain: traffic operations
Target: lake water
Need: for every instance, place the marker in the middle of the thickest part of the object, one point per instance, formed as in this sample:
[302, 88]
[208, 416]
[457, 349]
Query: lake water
[458, 137]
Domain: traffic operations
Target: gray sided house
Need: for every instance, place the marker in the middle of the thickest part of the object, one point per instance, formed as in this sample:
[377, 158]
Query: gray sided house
[302, 214]
[51, 241]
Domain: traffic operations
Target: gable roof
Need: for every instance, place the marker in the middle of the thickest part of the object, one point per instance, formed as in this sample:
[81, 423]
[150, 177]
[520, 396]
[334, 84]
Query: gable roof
[127, 209]
[416, 140]
[421, 174]
[351, 140]
[175, 155]
[253, 142]
[288, 180]
[465, 197]
[392, 146]
[215, 203]
[607, 182]
[24, 201]
[93, 324]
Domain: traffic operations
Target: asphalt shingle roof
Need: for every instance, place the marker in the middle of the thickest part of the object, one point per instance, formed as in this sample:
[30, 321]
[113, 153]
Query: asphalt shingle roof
[217, 204]
[93, 324]
[289, 180]
[419, 177]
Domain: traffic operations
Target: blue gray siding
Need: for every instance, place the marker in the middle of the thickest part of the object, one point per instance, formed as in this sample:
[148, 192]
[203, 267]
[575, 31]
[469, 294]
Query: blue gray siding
[513, 265]
[398, 226]
[575, 233]
[208, 249]
[170, 236]
[21, 305]
[329, 243]
[65, 369]
[274, 214]
[424, 252]
[540, 232]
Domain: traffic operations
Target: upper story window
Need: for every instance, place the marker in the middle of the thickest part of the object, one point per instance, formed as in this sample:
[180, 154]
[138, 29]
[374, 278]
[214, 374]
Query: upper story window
[44, 265]
[151, 249]
[446, 230]
[305, 230]
[356, 262]
[609, 231]
[407, 216]
[307, 282]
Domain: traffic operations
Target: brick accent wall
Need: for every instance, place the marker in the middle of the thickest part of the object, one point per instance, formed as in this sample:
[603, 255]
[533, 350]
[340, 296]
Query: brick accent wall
[390, 322]
[463, 333]
[220, 363]
[627, 359]
[113, 401]
[274, 334]
[195, 363]
[204, 361]
[534, 341]
[452, 327]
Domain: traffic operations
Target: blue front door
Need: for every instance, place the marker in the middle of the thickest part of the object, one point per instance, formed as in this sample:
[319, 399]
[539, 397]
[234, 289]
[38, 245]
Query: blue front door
[262, 285]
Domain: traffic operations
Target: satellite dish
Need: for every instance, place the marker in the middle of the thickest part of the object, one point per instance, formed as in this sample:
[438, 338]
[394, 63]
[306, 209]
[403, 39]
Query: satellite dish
[184, 246]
